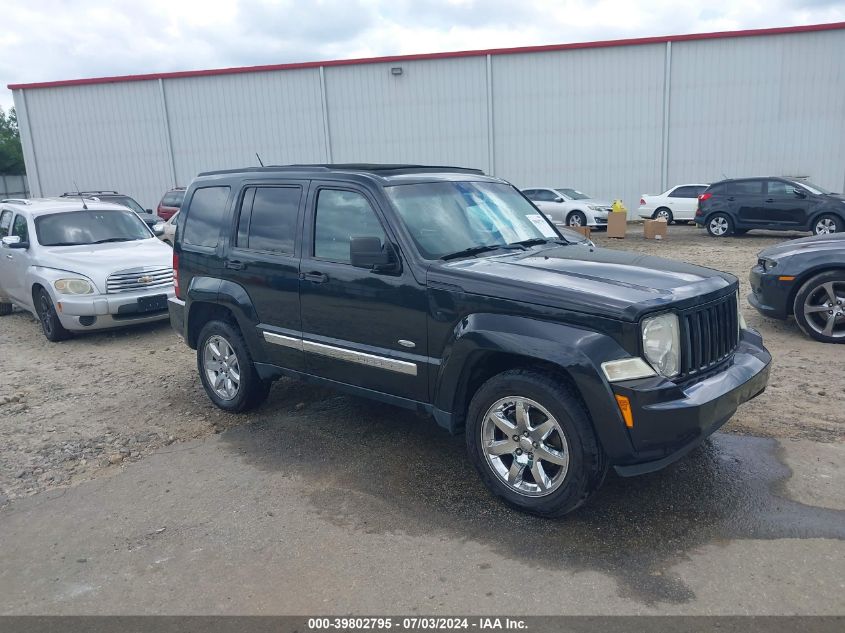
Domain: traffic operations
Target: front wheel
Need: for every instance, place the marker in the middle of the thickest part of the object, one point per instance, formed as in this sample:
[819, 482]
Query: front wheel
[577, 218]
[226, 369]
[532, 443]
[720, 225]
[819, 307]
[827, 224]
[49, 319]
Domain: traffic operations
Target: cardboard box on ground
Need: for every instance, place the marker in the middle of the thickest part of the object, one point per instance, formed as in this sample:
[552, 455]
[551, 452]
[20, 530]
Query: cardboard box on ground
[617, 224]
[654, 229]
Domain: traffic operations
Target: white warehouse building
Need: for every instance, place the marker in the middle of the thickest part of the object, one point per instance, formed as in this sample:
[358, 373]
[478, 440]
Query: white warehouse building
[615, 119]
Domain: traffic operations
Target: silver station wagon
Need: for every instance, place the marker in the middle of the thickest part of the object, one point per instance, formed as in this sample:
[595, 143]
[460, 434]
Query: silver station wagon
[81, 265]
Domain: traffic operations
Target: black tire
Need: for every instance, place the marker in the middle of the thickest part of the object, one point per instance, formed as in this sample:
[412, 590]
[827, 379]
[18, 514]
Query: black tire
[813, 293]
[5, 308]
[827, 223]
[251, 390]
[52, 328]
[717, 220]
[576, 218]
[587, 464]
[663, 212]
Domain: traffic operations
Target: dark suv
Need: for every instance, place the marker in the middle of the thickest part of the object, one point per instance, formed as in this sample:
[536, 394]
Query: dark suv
[733, 207]
[446, 291]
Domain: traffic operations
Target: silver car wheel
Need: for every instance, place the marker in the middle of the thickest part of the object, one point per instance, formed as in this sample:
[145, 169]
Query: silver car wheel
[718, 225]
[825, 226]
[575, 220]
[662, 214]
[221, 367]
[824, 309]
[525, 446]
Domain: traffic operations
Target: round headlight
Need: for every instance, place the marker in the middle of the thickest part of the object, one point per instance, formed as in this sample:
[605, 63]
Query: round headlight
[73, 286]
[661, 343]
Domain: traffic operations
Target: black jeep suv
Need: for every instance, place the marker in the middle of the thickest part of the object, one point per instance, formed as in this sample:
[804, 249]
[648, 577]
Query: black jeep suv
[446, 291]
[776, 204]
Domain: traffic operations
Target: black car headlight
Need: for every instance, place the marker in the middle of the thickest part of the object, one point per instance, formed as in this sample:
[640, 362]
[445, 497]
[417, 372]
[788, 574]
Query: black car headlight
[766, 264]
[661, 343]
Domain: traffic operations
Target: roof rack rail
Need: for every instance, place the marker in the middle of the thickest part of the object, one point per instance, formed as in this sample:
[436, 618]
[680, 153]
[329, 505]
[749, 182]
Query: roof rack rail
[17, 200]
[373, 168]
[76, 194]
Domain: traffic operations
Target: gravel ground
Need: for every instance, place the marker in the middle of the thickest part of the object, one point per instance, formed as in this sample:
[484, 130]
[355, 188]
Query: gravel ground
[88, 406]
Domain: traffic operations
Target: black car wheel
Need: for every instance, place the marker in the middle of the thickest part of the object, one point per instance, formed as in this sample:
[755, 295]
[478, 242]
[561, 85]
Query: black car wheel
[576, 218]
[663, 214]
[720, 225]
[826, 224]
[50, 324]
[226, 368]
[531, 440]
[819, 307]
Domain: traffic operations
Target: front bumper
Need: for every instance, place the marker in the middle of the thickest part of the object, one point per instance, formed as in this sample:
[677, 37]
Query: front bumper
[769, 295]
[99, 312]
[671, 420]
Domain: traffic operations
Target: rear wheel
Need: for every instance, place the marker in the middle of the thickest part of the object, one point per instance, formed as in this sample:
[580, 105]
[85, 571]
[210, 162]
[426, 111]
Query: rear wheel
[226, 368]
[720, 225]
[827, 224]
[577, 218]
[663, 214]
[531, 440]
[819, 307]
[49, 319]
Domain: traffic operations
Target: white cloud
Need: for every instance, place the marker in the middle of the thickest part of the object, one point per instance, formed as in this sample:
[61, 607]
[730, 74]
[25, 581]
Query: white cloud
[54, 39]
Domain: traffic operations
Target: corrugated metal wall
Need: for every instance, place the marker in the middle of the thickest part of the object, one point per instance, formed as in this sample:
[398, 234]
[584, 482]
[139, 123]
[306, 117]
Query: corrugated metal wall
[615, 122]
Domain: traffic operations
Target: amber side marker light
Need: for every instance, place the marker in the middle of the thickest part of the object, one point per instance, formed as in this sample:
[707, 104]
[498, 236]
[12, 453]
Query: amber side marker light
[786, 278]
[625, 408]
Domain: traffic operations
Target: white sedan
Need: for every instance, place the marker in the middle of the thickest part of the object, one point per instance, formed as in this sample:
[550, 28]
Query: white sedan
[677, 204]
[569, 207]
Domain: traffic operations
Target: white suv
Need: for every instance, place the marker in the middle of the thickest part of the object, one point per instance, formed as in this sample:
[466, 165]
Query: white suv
[81, 265]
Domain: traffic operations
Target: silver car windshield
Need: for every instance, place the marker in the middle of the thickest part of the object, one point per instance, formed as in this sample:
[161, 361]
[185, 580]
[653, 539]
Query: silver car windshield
[446, 218]
[77, 228]
[572, 194]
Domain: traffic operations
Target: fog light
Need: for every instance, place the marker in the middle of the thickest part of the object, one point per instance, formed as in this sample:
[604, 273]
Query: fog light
[87, 320]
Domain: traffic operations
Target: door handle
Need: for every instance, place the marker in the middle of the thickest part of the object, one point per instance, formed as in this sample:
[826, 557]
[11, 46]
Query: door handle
[9, 257]
[315, 277]
[731, 199]
[770, 200]
[233, 264]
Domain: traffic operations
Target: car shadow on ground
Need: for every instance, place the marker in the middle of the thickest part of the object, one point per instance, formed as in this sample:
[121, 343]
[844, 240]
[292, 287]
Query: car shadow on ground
[378, 469]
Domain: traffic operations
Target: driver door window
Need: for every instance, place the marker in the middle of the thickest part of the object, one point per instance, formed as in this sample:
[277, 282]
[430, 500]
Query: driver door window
[20, 229]
[340, 216]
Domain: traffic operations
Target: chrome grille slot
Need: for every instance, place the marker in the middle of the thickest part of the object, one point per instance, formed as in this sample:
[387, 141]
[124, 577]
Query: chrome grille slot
[709, 335]
[139, 279]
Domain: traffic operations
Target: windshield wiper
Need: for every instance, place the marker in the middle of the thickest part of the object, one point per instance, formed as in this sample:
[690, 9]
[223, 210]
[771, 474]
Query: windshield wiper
[534, 241]
[115, 239]
[473, 250]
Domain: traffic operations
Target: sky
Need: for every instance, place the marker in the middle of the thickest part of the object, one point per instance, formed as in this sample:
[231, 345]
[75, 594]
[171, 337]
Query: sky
[45, 40]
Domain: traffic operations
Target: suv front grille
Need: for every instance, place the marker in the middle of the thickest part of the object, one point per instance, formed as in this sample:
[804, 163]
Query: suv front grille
[139, 279]
[709, 335]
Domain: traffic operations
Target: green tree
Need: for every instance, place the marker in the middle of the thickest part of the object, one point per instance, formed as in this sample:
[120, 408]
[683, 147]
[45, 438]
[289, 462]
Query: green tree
[11, 152]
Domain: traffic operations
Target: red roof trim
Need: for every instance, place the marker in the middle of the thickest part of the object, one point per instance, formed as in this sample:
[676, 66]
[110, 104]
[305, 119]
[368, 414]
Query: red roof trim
[402, 58]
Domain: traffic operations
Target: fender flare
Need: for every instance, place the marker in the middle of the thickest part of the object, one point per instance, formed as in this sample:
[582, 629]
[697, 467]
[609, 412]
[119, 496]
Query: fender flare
[576, 352]
[221, 294]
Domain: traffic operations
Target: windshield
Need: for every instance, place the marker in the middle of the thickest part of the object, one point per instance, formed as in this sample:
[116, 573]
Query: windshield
[573, 194]
[813, 188]
[89, 227]
[448, 217]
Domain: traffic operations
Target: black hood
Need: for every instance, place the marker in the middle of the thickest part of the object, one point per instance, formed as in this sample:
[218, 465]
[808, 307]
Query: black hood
[599, 281]
[832, 242]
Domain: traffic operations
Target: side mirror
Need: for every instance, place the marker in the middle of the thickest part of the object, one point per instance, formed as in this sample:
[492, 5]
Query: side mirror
[14, 241]
[558, 199]
[799, 193]
[368, 252]
[158, 229]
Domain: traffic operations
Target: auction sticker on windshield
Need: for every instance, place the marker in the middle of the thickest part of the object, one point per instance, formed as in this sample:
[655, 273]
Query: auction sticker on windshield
[541, 224]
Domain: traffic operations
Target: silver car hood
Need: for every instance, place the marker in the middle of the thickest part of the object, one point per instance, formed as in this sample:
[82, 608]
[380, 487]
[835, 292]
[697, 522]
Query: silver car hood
[98, 261]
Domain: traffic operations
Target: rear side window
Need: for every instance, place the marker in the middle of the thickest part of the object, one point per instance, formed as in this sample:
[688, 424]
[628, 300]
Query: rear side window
[685, 192]
[745, 187]
[718, 189]
[342, 215]
[5, 222]
[205, 216]
[268, 219]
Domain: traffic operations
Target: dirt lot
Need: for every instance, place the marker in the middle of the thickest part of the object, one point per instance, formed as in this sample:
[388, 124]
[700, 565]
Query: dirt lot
[85, 407]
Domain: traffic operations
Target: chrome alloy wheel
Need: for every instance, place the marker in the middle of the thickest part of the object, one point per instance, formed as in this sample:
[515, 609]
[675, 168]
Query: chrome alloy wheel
[825, 226]
[718, 225]
[824, 309]
[575, 220]
[662, 214]
[525, 446]
[221, 367]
